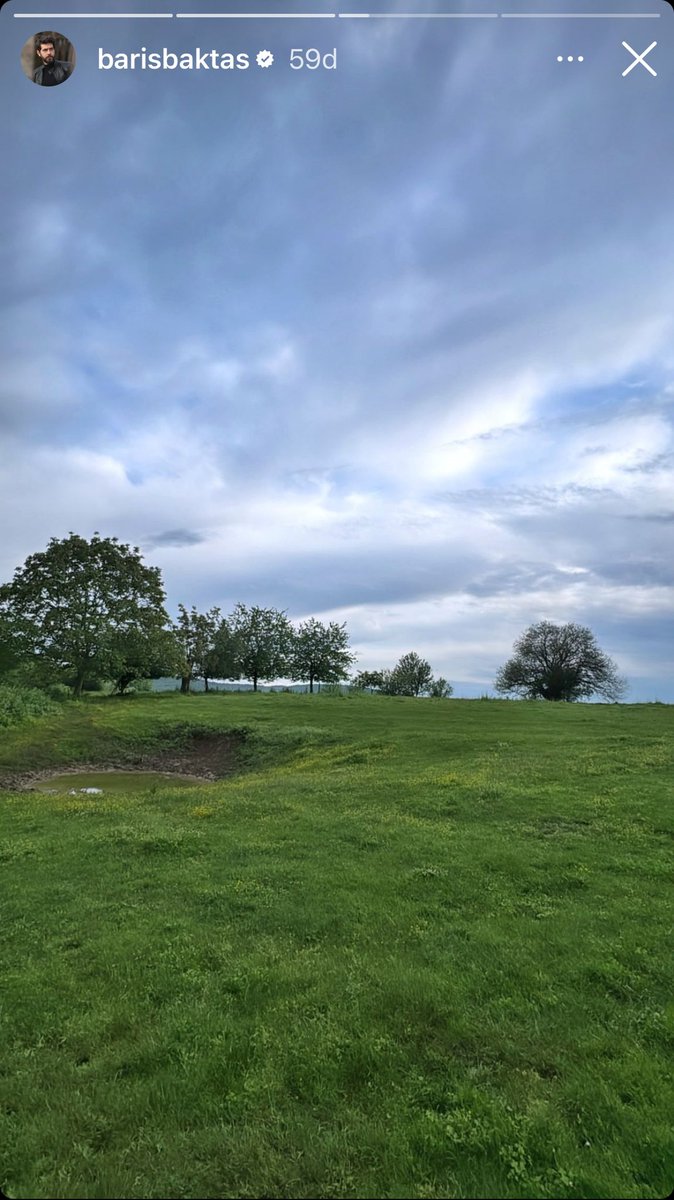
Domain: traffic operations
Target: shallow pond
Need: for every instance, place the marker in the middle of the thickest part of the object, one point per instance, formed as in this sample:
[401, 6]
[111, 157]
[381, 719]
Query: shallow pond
[101, 782]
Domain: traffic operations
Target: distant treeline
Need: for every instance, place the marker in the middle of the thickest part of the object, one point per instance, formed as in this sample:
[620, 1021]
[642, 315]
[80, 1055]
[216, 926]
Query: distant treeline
[86, 611]
[91, 610]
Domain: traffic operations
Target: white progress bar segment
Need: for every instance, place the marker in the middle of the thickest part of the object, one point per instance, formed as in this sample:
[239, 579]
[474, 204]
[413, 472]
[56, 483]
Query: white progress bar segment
[268, 16]
[423, 16]
[97, 16]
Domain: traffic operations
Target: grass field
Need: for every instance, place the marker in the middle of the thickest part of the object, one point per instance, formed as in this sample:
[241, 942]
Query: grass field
[413, 948]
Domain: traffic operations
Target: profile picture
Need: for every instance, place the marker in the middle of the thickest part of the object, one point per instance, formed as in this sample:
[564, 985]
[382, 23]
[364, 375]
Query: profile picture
[48, 58]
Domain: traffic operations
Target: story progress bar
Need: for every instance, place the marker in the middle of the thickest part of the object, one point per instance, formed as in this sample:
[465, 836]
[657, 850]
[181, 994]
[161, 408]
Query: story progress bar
[274, 16]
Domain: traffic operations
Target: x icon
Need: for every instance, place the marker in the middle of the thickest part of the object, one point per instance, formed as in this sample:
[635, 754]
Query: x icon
[639, 58]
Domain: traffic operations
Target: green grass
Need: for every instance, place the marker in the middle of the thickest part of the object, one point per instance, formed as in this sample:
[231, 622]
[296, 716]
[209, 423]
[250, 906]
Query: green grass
[414, 948]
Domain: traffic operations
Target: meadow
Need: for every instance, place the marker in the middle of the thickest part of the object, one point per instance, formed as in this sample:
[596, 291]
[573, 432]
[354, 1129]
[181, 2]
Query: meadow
[406, 948]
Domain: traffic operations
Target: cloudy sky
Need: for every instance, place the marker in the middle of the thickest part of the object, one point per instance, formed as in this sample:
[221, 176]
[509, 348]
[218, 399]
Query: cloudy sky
[390, 344]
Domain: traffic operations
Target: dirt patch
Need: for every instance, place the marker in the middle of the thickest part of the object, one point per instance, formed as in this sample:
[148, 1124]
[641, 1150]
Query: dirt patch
[209, 756]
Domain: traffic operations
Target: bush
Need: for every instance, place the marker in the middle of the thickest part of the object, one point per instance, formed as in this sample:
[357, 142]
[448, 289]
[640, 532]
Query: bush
[18, 704]
[139, 685]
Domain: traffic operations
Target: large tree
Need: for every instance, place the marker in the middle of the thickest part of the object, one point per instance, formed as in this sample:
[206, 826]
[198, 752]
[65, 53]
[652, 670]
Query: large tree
[264, 641]
[559, 662]
[320, 652]
[69, 606]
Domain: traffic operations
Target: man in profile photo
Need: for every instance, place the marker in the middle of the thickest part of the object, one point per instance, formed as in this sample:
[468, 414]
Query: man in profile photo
[51, 70]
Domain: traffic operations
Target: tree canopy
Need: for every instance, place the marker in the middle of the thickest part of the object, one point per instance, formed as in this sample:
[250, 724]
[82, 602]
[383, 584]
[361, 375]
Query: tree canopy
[559, 662]
[411, 676]
[195, 634]
[70, 608]
[366, 680]
[140, 656]
[264, 638]
[440, 689]
[320, 652]
[223, 661]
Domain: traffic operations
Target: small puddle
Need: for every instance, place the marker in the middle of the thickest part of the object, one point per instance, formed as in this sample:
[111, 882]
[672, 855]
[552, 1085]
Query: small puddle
[95, 783]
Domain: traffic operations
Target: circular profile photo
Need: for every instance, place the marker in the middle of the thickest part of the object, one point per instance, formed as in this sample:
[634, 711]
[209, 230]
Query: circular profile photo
[48, 58]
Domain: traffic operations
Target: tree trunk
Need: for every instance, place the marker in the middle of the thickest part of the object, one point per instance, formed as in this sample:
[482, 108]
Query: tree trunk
[254, 683]
[205, 683]
[78, 684]
[311, 682]
[185, 684]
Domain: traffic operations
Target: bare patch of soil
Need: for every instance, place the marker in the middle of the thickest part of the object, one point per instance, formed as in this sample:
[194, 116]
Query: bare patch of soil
[209, 755]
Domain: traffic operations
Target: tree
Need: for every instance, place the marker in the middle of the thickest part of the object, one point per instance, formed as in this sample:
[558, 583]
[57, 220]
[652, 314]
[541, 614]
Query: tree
[264, 639]
[320, 652]
[440, 689]
[68, 605]
[10, 656]
[196, 634]
[559, 662]
[410, 676]
[369, 680]
[223, 660]
[145, 656]
[208, 665]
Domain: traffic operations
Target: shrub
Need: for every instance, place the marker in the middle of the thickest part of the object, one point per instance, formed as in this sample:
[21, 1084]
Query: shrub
[18, 704]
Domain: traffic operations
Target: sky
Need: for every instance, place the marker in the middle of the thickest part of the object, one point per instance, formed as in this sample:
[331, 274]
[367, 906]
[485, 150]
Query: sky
[391, 344]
